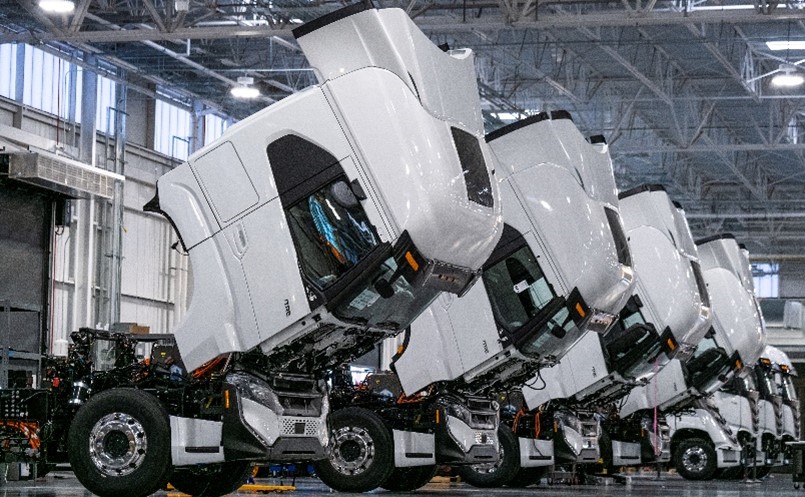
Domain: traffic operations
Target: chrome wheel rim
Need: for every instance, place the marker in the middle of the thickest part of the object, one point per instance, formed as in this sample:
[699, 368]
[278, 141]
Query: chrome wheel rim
[117, 444]
[694, 459]
[353, 450]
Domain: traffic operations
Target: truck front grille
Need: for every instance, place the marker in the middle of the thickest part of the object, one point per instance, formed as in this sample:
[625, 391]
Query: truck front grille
[300, 427]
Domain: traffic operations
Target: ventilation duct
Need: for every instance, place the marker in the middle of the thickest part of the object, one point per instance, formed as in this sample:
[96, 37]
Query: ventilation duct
[61, 175]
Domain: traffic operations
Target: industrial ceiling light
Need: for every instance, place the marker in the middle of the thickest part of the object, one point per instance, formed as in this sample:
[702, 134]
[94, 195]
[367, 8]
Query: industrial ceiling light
[786, 45]
[787, 77]
[57, 6]
[245, 88]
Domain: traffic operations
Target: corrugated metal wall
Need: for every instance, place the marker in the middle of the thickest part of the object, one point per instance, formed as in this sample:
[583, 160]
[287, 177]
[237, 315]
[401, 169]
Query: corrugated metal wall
[153, 274]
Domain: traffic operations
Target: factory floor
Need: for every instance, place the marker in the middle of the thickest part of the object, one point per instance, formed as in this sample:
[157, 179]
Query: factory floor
[778, 485]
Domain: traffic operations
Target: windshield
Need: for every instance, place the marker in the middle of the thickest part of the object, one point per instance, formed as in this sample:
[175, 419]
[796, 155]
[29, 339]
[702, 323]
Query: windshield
[526, 307]
[517, 288]
[557, 326]
[372, 303]
[331, 233]
[633, 345]
[708, 363]
[787, 388]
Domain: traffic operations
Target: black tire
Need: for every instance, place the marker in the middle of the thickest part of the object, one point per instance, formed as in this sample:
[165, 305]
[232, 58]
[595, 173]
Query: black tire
[526, 477]
[695, 459]
[763, 472]
[735, 473]
[131, 437]
[409, 479]
[362, 455]
[211, 480]
[495, 474]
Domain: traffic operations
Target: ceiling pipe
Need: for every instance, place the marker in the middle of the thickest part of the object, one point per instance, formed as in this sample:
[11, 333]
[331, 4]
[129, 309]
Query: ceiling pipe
[776, 257]
[746, 215]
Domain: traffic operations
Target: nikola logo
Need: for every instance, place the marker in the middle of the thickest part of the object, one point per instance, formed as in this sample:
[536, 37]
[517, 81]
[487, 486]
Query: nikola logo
[287, 308]
[594, 372]
[486, 347]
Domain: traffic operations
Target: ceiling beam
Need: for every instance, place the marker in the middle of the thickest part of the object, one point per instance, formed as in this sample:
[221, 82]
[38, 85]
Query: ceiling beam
[441, 24]
[705, 148]
[78, 16]
[637, 74]
[152, 11]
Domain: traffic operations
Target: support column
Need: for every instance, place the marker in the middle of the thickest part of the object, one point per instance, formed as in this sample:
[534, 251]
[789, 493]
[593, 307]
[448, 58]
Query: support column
[19, 86]
[83, 227]
[116, 254]
[197, 141]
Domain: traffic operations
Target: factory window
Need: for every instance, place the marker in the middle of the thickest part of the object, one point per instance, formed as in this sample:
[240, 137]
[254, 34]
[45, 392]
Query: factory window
[104, 108]
[48, 85]
[8, 69]
[766, 276]
[172, 130]
[214, 127]
[47, 82]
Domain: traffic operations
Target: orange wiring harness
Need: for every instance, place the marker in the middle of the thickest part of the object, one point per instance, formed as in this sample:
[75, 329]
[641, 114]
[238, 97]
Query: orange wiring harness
[27, 429]
[207, 367]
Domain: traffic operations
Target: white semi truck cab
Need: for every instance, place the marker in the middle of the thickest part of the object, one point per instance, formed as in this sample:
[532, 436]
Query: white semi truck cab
[535, 298]
[315, 228]
[770, 411]
[701, 440]
[666, 315]
[790, 401]
[738, 403]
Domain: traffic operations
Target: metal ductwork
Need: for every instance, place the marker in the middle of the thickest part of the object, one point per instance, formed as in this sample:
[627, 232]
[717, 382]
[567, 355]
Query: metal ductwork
[60, 174]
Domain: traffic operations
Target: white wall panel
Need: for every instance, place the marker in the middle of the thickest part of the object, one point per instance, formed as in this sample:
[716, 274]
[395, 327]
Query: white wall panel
[792, 279]
[157, 317]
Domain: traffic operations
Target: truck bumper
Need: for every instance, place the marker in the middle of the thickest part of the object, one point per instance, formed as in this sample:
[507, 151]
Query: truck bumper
[458, 443]
[728, 457]
[534, 452]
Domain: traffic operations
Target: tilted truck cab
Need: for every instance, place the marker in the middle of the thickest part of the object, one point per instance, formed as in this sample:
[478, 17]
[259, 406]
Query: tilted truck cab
[738, 403]
[785, 382]
[681, 389]
[543, 286]
[524, 312]
[668, 309]
[316, 228]
[770, 411]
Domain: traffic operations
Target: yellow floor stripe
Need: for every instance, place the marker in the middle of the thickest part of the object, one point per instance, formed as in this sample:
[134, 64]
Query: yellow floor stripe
[250, 487]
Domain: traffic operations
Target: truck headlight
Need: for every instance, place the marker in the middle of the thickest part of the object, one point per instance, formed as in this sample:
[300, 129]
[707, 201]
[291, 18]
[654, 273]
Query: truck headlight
[459, 411]
[655, 439]
[253, 388]
[571, 431]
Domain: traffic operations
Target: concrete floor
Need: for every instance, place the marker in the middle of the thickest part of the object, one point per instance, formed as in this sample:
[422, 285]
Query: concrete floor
[64, 484]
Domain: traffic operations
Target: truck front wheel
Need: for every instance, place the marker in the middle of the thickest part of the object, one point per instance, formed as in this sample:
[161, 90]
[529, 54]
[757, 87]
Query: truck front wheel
[362, 453]
[695, 459]
[119, 444]
[211, 480]
[499, 473]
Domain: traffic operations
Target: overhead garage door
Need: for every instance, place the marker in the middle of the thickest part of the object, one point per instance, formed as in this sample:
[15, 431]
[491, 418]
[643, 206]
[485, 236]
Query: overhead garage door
[24, 240]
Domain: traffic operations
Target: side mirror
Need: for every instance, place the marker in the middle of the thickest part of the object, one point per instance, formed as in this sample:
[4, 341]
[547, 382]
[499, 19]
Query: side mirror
[558, 332]
[384, 288]
[343, 195]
